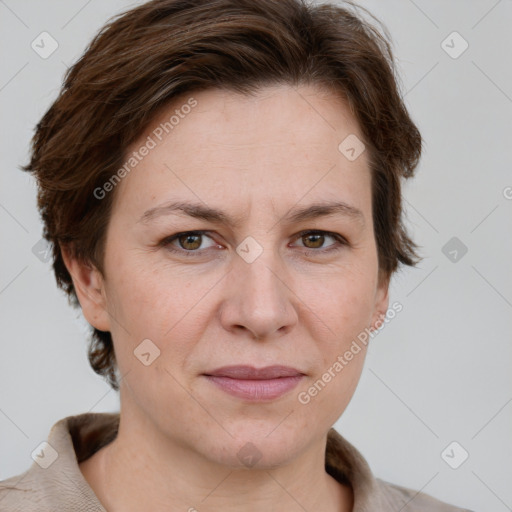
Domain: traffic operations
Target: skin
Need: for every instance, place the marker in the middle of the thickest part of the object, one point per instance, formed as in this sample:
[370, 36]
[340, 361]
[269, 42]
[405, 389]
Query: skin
[253, 157]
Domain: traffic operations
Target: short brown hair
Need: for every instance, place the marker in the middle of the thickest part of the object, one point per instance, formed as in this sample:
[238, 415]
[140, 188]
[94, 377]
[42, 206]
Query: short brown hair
[147, 56]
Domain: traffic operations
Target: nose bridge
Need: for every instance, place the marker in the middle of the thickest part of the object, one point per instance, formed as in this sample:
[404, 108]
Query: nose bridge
[259, 299]
[259, 272]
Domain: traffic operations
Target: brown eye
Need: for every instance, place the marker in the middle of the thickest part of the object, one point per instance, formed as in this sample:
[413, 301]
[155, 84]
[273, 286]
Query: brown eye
[190, 242]
[315, 241]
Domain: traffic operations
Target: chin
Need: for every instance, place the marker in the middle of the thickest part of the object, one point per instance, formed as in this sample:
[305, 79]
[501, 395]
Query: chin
[257, 445]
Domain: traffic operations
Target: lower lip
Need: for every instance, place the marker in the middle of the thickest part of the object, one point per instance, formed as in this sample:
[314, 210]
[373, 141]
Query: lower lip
[256, 390]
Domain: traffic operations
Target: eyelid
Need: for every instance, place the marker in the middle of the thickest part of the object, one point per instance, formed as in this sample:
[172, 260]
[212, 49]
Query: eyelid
[341, 241]
[339, 238]
[166, 242]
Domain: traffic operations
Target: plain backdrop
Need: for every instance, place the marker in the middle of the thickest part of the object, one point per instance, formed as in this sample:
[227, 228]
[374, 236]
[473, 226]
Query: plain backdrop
[439, 372]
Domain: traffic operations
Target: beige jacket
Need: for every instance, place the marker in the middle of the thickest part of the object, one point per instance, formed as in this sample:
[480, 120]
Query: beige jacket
[54, 483]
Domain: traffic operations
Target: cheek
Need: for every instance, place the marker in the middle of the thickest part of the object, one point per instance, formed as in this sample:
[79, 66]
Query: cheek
[138, 287]
[341, 300]
[163, 305]
[326, 395]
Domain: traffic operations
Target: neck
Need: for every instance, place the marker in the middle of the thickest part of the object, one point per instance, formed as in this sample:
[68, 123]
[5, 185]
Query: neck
[142, 470]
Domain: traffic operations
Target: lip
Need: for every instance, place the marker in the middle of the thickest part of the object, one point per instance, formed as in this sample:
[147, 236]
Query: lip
[255, 384]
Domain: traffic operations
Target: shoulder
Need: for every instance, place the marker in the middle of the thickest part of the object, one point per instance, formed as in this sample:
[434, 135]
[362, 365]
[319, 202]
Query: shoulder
[22, 493]
[345, 463]
[412, 501]
[54, 480]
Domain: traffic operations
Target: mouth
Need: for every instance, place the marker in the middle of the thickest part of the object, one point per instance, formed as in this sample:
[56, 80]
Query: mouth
[255, 384]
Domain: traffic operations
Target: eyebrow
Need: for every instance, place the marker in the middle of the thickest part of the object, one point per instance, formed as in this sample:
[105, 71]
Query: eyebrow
[216, 216]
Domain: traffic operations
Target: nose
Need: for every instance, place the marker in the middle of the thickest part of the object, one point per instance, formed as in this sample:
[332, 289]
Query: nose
[259, 298]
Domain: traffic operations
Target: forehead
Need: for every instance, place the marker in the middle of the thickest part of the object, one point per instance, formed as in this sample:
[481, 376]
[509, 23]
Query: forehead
[281, 143]
[274, 116]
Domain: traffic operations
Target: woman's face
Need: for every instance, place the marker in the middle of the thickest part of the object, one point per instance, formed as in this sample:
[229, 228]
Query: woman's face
[252, 289]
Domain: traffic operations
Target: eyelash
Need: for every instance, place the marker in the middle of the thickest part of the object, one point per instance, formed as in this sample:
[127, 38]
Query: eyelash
[341, 242]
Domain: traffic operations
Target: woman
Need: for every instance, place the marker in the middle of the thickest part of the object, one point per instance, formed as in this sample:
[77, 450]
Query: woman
[221, 183]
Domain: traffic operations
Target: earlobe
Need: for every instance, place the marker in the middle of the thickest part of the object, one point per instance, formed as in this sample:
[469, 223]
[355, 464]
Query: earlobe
[381, 304]
[89, 287]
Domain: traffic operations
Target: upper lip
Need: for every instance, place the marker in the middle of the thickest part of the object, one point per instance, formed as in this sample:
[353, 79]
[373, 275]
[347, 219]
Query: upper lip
[249, 372]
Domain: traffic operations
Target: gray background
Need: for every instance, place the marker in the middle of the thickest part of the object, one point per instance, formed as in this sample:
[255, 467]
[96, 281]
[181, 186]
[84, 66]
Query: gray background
[439, 372]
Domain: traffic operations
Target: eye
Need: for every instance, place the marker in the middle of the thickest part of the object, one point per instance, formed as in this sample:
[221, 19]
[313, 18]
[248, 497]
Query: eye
[315, 240]
[190, 242]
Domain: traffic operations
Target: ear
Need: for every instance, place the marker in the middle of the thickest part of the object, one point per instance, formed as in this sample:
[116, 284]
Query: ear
[381, 302]
[90, 290]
